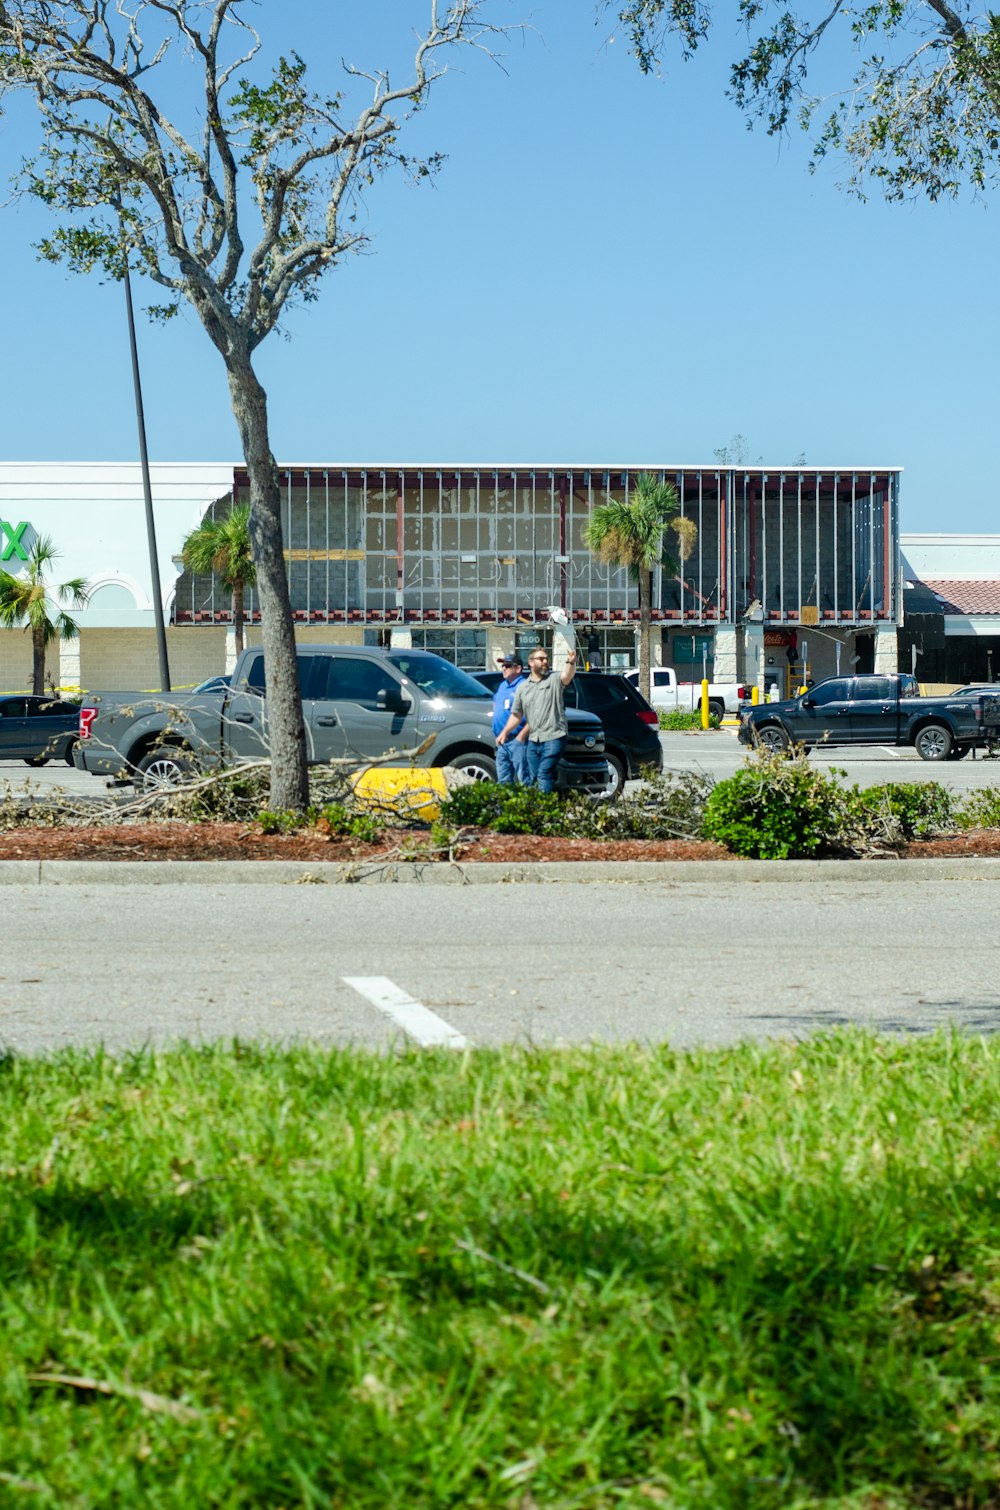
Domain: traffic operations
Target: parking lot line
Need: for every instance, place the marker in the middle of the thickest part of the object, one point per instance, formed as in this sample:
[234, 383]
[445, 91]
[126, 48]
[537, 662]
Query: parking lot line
[416, 1020]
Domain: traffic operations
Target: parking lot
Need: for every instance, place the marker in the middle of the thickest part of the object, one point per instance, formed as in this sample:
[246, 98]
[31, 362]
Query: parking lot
[719, 754]
[15, 778]
[716, 752]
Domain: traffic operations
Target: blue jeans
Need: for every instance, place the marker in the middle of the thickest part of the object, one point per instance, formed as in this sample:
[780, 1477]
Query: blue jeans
[512, 763]
[543, 761]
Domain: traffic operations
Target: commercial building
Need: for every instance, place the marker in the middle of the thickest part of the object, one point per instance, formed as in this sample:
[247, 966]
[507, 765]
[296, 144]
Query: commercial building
[951, 601]
[795, 570]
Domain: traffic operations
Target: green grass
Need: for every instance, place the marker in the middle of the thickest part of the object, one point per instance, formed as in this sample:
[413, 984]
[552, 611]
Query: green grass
[765, 1277]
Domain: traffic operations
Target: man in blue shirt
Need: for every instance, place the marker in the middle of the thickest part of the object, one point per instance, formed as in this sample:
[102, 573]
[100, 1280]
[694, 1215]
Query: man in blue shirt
[512, 755]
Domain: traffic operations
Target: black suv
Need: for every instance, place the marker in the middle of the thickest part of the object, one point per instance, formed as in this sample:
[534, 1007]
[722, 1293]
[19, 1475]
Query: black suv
[38, 729]
[631, 728]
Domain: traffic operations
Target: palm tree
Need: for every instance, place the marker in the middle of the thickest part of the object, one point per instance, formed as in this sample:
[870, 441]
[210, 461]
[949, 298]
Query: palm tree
[630, 533]
[33, 602]
[222, 546]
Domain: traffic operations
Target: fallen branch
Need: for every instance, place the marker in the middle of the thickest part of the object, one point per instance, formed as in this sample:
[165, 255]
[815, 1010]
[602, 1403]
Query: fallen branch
[157, 1404]
[489, 1258]
[26, 1486]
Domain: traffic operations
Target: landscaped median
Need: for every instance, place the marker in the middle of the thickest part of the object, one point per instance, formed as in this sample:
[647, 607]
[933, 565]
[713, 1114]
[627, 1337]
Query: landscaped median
[775, 807]
[612, 1277]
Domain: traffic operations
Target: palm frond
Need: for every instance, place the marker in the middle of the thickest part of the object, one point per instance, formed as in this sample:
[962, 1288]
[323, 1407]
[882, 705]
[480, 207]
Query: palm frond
[27, 600]
[687, 536]
[221, 547]
[75, 591]
[630, 532]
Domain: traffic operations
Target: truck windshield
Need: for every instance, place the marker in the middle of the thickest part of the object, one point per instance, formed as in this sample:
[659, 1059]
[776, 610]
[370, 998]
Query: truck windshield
[435, 676]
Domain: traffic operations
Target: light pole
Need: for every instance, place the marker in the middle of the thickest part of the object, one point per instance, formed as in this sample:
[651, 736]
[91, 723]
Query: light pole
[147, 492]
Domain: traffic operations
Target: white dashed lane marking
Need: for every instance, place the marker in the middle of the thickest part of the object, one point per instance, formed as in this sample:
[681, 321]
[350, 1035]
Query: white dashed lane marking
[417, 1021]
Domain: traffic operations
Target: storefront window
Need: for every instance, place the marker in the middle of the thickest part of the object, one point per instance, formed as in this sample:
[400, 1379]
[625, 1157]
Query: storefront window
[463, 647]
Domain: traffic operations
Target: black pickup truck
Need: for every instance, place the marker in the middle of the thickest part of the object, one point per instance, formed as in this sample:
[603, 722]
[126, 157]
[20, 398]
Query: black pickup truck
[876, 710]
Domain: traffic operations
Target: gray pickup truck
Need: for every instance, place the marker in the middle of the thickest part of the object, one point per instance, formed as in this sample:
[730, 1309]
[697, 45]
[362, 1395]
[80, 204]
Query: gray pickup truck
[876, 710]
[359, 703]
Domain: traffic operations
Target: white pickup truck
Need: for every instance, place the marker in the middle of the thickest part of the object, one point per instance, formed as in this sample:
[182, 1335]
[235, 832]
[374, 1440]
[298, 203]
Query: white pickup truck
[667, 692]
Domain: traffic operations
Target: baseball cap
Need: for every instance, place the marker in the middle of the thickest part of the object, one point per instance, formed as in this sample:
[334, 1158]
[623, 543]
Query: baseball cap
[509, 660]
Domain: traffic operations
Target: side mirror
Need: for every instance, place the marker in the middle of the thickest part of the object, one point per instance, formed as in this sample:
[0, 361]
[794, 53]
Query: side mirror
[808, 702]
[391, 700]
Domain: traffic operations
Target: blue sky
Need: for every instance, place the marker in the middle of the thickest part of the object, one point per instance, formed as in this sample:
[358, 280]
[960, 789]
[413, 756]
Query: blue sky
[608, 269]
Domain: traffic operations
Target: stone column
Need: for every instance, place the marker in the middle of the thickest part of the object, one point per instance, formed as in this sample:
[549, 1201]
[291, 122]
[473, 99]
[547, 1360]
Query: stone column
[401, 639]
[231, 650]
[753, 656]
[725, 654]
[886, 653]
[69, 665]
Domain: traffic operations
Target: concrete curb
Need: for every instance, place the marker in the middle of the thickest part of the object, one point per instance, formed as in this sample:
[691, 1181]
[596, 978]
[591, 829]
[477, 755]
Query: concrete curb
[480, 873]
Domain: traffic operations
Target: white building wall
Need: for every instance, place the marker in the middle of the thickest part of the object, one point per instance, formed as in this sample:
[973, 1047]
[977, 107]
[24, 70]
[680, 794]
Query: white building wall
[969, 556]
[95, 514]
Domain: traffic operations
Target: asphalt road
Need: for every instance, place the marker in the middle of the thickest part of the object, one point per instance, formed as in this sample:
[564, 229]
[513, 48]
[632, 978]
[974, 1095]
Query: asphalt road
[709, 961]
[18, 779]
[704, 962]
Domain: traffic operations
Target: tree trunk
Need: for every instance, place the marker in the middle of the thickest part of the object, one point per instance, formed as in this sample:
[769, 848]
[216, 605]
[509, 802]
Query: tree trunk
[238, 616]
[645, 589]
[286, 727]
[38, 659]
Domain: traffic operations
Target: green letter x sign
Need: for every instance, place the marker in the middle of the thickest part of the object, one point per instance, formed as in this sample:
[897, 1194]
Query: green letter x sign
[13, 546]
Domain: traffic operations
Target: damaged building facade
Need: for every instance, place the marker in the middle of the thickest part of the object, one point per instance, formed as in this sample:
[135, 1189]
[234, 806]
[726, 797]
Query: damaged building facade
[796, 571]
[792, 570]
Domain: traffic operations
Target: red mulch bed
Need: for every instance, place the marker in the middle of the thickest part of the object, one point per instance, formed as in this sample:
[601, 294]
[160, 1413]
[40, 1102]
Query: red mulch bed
[975, 841]
[237, 841]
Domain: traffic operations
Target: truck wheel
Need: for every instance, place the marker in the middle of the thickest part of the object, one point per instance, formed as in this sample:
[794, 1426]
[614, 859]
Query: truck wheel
[36, 760]
[165, 768]
[717, 709]
[772, 738]
[959, 752]
[479, 767]
[933, 742]
[617, 776]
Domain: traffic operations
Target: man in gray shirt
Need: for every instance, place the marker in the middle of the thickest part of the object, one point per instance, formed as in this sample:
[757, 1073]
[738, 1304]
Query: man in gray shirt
[540, 703]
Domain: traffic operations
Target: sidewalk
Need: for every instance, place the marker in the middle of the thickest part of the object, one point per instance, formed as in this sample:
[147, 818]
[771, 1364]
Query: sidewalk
[480, 873]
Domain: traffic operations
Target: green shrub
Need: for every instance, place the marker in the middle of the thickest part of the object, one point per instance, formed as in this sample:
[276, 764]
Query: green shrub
[681, 719]
[980, 809]
[901, 810]
[336, 819]
[669, 806]
[777, 807]
[279, 821]
[475, 805]
[505, 809]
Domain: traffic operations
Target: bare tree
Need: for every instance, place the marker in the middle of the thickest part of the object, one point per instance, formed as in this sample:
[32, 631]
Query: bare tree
[126, 176]
[737, 453]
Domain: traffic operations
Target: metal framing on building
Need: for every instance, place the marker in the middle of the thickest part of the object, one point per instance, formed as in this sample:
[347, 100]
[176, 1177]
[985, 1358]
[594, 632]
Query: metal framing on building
[500, 545]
